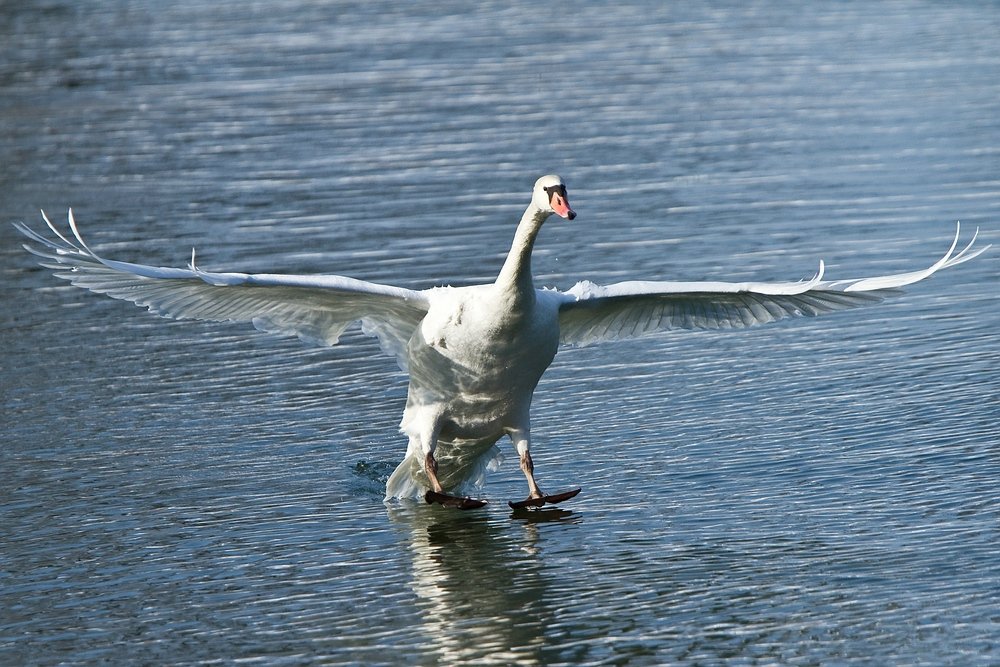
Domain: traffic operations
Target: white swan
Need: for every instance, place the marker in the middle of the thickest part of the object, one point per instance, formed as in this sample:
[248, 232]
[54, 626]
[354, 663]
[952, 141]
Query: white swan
[474, 354]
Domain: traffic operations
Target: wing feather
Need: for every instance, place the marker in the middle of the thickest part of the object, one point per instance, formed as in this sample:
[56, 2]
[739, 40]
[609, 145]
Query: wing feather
[316, 308]
[592, 313]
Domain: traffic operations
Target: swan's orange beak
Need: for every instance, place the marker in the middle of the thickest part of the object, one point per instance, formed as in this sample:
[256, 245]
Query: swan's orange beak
[560, 204]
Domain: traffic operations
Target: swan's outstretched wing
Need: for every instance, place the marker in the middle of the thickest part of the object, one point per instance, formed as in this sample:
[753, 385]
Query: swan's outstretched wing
[592, 313]
[316, 308]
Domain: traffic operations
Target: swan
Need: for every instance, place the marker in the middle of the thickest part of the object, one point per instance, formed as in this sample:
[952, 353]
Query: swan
[474, 354]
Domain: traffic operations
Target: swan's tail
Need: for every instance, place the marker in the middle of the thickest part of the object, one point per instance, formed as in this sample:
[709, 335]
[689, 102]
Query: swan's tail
[404, 482]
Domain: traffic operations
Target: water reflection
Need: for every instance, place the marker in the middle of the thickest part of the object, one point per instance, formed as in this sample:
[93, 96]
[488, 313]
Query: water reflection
[484, 591]
[532, 517]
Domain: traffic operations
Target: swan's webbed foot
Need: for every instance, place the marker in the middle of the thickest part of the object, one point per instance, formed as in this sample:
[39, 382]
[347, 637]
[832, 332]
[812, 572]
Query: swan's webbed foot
[535, 496]
[462, 503]
[532, 501]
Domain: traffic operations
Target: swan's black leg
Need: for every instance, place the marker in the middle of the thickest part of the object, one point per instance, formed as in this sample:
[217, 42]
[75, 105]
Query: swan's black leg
[535, 496]
[437, 495]
[528, 468]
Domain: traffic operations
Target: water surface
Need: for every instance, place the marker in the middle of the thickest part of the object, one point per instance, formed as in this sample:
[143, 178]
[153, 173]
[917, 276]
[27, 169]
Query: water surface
[813, 492]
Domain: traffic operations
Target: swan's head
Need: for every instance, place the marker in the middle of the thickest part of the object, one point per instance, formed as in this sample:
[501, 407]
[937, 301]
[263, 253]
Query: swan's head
[550, 195]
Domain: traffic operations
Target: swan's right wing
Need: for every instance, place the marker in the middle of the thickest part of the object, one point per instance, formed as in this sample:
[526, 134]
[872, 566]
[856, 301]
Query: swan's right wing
[316, 308]
[591, 313]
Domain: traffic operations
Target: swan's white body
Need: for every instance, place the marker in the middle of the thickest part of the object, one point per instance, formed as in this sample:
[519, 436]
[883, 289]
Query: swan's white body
[474, 354]
[473, 369]
[474, 363]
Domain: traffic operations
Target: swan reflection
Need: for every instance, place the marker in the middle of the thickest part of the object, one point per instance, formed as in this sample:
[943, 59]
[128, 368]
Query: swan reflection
[482, 586]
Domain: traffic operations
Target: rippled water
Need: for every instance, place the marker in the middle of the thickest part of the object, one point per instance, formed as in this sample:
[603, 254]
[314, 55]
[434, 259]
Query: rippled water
[815, 492]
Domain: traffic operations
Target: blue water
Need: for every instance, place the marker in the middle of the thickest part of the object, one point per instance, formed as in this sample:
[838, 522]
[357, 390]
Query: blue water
[814, 492]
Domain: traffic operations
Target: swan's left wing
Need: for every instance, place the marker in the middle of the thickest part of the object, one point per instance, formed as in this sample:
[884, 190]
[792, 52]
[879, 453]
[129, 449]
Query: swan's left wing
[591, 313]
[316, 308]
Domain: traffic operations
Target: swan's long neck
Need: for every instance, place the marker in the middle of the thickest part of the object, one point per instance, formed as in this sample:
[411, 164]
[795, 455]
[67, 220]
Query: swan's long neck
[515, 276]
